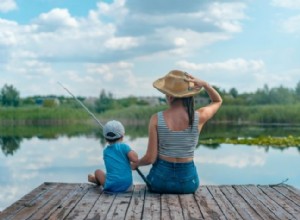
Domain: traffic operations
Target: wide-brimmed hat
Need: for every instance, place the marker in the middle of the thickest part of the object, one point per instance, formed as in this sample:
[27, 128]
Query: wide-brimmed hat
[175, 84]
[113, 130]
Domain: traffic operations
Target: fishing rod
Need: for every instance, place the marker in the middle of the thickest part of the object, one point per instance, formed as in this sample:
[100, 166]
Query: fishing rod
[91, 114]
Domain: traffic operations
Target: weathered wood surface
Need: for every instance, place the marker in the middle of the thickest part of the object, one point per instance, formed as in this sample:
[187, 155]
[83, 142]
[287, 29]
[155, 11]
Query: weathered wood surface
[87, 201]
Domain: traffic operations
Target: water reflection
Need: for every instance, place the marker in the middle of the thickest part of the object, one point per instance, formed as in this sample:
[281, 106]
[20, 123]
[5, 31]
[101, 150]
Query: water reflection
[11, 138]
[61, 155]
[10, 144]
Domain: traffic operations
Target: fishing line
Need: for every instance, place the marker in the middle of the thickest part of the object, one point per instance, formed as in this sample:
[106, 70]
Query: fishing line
[91, 114]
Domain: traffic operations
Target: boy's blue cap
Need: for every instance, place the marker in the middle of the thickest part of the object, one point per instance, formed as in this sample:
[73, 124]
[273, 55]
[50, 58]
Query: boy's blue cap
[113, 130]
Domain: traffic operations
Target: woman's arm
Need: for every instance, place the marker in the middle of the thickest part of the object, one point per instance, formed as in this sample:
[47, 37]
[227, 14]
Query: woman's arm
[210, 110]
[151, 153]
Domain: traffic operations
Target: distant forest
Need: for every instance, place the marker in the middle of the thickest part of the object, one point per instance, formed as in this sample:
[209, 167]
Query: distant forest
[11, 97]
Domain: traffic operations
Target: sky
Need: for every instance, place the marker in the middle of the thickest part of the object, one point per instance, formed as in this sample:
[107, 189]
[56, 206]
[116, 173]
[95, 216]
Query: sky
[122, 46]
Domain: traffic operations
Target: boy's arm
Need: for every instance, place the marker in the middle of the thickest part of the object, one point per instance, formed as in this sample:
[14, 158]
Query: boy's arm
[132, 156]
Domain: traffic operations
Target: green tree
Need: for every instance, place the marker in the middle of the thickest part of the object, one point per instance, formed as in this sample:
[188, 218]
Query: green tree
[261, 96]
[9, 96]
[297, 91]
[281, 95]
[105, 102]
[233, 92]
[9, 145]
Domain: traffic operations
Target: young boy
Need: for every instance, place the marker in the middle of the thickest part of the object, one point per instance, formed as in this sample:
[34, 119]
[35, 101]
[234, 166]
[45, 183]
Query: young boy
[117, 159]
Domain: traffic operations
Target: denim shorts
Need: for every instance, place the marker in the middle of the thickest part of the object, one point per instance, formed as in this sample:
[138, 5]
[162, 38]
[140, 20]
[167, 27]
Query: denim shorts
[174, 178]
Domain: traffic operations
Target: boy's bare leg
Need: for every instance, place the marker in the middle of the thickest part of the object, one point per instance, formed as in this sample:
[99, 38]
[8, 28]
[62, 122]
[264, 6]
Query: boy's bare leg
[98, 178]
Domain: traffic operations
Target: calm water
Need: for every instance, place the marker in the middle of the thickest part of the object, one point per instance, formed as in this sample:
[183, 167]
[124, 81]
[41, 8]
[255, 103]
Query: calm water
[70, 159]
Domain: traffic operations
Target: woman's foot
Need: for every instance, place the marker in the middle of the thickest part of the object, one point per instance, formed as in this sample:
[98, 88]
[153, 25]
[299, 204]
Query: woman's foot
[92, 179]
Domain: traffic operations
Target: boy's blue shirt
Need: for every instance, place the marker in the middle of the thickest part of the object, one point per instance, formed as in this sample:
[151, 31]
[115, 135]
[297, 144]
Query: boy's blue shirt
[118, 170]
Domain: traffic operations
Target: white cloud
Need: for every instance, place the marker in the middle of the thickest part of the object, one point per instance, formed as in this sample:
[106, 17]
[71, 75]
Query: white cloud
[232, 65]
[116, 9]
[57, 36]
[179, 41]
[113, 72]
[58, 45]
[55, 19]
[289, 79]
[291, 25]
[74, 76]
[8, 32]
[121, 43]
[227, 15]
[241, 158]
[238, 161]
[237, 73]
[9, 193]
[291, 4]
[119, 79]
[7, 5]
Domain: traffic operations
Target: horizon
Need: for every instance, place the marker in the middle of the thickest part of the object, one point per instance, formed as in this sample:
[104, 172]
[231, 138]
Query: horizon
[123, 46]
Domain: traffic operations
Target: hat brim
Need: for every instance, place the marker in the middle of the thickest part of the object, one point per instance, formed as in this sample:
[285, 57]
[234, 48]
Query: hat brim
[159, 85]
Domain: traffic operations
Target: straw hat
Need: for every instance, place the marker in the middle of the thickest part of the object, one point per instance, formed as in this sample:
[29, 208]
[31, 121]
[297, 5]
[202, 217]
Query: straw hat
[175, 84]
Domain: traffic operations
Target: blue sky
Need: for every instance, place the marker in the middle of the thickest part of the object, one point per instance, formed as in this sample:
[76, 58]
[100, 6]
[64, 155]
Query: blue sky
[123, 46]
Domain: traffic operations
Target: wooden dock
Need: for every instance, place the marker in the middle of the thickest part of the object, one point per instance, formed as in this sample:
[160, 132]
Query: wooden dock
[87, 201]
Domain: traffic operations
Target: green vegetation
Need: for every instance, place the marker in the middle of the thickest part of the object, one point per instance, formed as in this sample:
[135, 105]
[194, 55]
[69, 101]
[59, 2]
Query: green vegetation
[42, 116]
[275, 105]
[289, 141]
[259, 114]
[243, 119]
[9, 96]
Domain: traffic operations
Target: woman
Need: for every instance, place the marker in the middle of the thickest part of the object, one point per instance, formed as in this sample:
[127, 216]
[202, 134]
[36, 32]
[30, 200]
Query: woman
[174, 133]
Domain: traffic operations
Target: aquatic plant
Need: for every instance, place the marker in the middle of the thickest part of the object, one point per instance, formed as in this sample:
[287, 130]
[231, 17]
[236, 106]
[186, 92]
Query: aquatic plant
[288, 141]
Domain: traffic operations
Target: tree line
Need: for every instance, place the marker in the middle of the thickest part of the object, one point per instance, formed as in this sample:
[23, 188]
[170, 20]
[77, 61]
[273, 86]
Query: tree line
[10, 97]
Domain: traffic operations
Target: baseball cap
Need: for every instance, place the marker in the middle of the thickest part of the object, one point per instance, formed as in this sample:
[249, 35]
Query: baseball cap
[113, 130]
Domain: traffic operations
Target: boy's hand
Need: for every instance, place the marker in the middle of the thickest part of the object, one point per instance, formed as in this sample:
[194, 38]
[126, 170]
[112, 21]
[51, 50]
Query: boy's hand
[133, 165]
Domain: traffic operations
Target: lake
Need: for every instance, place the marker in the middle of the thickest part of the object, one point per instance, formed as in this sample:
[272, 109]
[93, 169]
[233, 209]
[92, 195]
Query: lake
[28, 161]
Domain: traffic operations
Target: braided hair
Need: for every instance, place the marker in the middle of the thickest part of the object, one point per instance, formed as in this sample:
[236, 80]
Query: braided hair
[188, 103]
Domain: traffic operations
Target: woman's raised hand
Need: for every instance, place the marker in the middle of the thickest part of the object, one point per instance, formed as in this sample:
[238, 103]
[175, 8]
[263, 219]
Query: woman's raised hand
[198, 83]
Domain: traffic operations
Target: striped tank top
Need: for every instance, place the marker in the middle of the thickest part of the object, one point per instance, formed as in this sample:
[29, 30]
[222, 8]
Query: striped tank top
[180, 144]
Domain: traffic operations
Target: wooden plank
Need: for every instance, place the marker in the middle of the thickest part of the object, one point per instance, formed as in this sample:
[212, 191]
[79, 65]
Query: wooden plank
[240, 205]
[269, 203]
[171, 207]
[226, 207]
[39, 202]
[289, 193]
[251, 199]
[208, 206]
[190, 208]
[86, 203]
[102, 206]
[281, 200]
[152, 206]
[135, 209]
[10, 211]
[293, 189]
[69, 202]
[119, 206]
[53, 202]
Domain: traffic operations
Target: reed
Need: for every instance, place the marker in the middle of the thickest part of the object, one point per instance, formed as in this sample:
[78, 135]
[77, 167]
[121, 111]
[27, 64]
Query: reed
[259, 114]
[138, 115]
[41, 115]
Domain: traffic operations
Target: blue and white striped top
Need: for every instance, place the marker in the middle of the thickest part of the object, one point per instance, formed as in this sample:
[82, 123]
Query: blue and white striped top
[180, 144]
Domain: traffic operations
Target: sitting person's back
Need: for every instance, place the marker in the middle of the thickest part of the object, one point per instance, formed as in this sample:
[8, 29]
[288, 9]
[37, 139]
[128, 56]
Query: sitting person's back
[173, 134]
[117, 158]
